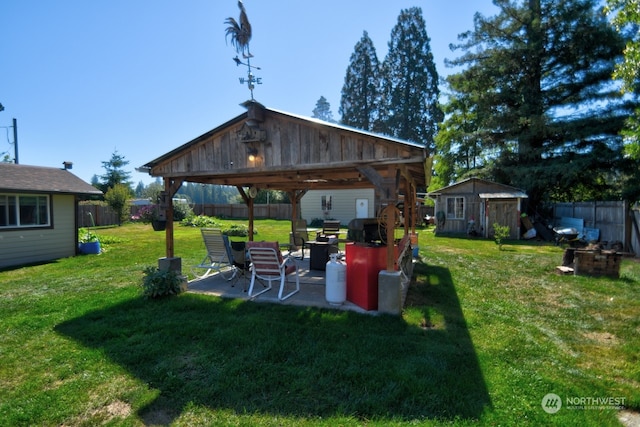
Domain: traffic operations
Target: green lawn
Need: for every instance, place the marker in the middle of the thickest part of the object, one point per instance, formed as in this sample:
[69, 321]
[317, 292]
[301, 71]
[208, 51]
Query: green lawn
[486, 334]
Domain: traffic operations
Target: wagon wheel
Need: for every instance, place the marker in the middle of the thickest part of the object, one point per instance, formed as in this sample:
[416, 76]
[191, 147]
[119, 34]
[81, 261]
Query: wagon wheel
[384, 216]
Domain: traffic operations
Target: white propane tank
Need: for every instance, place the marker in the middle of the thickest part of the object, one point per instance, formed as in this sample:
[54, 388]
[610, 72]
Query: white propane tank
[336, 288]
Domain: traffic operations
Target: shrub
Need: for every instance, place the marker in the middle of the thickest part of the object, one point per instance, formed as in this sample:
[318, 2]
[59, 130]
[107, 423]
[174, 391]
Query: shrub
[117, 197]
[147, 213]
[181, 211]
[501, 232]
[200, 221]
[160, 283]
[239, 230]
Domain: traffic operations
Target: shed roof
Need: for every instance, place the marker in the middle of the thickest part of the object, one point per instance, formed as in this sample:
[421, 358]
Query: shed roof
[293, 153]
[484, 188]
[25, 178]
[504, 195]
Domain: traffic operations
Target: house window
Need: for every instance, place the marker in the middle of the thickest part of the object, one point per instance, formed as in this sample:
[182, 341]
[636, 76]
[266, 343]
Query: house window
[455, 207]
[24, 210]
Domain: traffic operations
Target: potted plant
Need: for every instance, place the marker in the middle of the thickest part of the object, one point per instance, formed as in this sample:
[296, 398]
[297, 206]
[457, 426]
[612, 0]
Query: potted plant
[88, 242]
[150, 214]
[158, 283]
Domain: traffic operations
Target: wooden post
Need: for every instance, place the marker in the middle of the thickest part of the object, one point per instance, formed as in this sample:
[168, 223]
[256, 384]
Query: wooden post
[391, 224]
[251, 217]
[166, 206]
[171, 187]
[294, 205]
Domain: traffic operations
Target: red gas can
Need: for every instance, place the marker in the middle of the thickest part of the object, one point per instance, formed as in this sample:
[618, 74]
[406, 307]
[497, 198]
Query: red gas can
[364, 262]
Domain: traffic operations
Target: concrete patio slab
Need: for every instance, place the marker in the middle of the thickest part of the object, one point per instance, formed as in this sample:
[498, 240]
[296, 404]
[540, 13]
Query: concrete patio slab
[312, 289]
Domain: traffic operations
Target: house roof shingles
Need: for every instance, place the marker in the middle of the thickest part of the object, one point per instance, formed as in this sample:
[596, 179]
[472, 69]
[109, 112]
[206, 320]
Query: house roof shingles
[19, 178]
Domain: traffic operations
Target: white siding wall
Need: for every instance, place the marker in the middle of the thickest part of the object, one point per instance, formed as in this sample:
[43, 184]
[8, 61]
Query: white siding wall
[35, 245]
[343, 204]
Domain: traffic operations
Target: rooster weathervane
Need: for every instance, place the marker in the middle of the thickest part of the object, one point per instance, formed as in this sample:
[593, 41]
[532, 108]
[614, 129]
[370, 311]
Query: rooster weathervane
[240, 32]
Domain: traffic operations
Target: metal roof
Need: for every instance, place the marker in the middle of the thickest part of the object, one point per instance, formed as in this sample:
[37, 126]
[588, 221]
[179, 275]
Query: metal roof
[504, 195]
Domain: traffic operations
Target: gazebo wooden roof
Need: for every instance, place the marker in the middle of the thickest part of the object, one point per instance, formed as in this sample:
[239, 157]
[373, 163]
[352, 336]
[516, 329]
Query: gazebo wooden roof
[265, 148]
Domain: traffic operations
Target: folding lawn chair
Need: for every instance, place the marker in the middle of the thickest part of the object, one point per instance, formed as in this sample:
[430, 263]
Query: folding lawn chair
[299, 235]
[218, 257]
[268, 264]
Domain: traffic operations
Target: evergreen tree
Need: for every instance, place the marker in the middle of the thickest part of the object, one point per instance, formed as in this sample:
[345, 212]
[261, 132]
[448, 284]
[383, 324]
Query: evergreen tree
[323, 110]
[544, 109]
[139, 189]
[115, 174]
[95, 181]
[410, 108]
[360, 101]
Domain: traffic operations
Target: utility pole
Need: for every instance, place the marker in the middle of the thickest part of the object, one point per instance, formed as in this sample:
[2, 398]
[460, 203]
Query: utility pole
[15, 140]
[15, 136]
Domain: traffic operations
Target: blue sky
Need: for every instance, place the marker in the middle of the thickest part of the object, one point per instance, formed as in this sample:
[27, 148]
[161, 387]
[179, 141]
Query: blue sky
[87, 78]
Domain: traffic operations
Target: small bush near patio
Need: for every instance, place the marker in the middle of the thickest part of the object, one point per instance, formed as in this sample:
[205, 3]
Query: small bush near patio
[484, 339]
[158, 283]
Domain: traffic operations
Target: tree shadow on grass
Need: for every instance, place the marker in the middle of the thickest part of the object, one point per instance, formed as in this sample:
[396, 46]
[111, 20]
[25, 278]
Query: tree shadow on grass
[290, 361]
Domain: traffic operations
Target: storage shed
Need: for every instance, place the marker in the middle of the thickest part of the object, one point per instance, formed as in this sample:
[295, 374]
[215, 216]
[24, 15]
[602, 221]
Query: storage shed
[38, 213]
[473, 205]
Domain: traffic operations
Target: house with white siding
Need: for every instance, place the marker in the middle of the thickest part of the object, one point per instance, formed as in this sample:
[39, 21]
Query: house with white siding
[343, 205]
[38, 213]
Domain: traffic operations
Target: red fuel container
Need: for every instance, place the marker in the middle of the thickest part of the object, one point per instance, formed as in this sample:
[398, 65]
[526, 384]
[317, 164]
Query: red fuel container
[364, 262]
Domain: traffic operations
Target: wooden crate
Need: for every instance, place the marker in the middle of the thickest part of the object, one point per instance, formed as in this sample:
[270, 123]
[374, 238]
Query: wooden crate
[597, 263]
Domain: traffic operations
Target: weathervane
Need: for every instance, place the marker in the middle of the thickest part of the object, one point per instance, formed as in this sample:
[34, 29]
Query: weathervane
[240, 32]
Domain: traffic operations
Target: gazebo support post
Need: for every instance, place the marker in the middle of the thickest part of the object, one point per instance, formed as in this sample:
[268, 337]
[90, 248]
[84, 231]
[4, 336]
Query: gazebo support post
[249, 202]
[251, 218]
[171, 187]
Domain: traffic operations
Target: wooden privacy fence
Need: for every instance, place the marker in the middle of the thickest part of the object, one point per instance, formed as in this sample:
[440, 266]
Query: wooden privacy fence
[616, 220]
[95, 215]
[90, 215]
[272, 211]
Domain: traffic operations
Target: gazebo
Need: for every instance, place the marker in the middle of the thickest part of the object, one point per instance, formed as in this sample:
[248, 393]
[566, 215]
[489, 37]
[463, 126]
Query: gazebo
[264, 148]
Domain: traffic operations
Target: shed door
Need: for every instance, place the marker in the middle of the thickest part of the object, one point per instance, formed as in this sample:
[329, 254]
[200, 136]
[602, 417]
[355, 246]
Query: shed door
[504, 213]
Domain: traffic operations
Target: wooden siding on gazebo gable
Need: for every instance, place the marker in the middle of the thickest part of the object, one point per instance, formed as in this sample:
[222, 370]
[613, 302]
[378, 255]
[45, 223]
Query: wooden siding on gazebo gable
[295, 154]
[290, 142]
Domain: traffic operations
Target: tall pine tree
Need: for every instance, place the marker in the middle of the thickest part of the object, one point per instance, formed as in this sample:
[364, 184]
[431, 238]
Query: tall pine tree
[544, 107]
[115, 173]
[410, 108]
[360, 100]
[323, 110]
